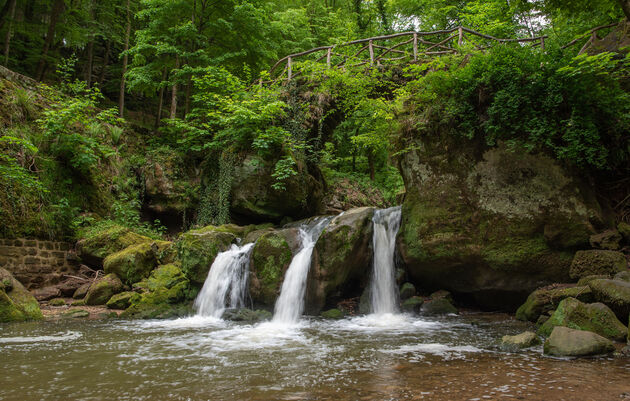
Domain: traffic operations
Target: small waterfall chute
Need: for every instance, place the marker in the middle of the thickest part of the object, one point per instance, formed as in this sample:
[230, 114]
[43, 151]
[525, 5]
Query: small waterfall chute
[226, 284]
[383, 291]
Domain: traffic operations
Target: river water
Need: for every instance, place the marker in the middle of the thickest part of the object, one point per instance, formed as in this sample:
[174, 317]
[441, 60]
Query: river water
[384, 357]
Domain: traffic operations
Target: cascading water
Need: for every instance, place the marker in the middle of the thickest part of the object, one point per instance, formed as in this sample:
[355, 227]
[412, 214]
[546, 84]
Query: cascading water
[290, 304]
[226, 284]
[383, 291]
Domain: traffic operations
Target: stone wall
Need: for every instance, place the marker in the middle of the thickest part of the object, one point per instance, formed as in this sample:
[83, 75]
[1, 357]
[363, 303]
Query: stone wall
[37, 263]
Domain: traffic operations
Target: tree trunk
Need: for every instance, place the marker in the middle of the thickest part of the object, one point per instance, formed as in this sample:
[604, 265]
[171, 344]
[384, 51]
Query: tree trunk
[158, 118]
[57, 9]
[5, 11]
[90, 61]
[101, 78]
[121, 96]
[7, 38]
[370, 157]
[188, 95]
[625, 6]
[174, 92]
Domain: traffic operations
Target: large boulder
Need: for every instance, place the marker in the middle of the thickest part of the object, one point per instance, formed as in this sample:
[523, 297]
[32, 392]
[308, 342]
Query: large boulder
[254, 198]
[490, 225]
[165, 293]
[134, 263]
[520, 341]
[564, 341]
[342, 259]
[197, 249]
[16, 303]
[97, 245]
[270, 258]
[103, 289]
[596, 317]
[587, 263]
[615, 294]
[608, 239]
[546, 299]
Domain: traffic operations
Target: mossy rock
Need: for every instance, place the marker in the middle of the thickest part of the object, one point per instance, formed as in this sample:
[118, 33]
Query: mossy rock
[520, 341]
[134, 263]
[81, 291]
[564, 341]
[270, 258]
[57, 302]
[439, 306]
[586, 280]
[407, 290]
[123, 300]
[75, 314]
[166, 293]
[609, 239]
[79, 302]
[342, 259]
[412, 305]
[103, 289]
[16, 303]
[623, 276]
[624, 230]
[545, 300]
[597, 318]
[615, 294]
[98, 245]
[196, 249]
[247, 315]
[597, 262]
[442, 294]
[332, 314]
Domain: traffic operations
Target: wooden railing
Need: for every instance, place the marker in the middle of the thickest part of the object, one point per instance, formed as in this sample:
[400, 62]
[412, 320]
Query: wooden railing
[398, 47]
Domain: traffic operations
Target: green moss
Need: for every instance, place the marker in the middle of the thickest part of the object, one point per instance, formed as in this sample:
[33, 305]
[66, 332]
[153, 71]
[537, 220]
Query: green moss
[103, 289]
[412, 304]
[132, 264]
[544, 300]
[271, 255]
[18, 304]
[332, 314]
[123, 300]
[75, 313]
[196, 249]
[57, 302]
[594, 262]
[99, 244]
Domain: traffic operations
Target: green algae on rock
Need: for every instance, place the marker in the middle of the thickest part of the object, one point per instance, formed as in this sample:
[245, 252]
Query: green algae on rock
[196, 249]
[615, 294]
[16, 303]
[545, 300]
[332, 314]
[123, 300]
[103, 289]
[133, 263]
[270, 258]
[94, 248]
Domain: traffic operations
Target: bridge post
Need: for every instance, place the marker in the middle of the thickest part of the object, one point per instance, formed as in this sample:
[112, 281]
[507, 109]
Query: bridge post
[371, 46]
[329, 56]
[460, 40]
[415, 46]
[289, 68]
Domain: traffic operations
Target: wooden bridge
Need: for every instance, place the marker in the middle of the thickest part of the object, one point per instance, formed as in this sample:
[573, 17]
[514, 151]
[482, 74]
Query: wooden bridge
[404, 47]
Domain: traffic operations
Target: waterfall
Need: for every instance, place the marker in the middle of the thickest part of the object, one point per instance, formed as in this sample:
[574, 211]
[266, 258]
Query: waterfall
[226, 284]
[290, 304]
[383, 292]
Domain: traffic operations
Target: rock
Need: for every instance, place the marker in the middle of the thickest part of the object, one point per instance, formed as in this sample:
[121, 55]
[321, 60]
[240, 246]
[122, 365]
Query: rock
[489, 225]
[407, 291]
[584, 281]
[608, 239]
[622, 276]
[76, 313]
[365, 301]
[412, 305]
[596, 317]
[564, 341]
[586, 263]
[253, 198]
[270, 259]
[545, 300]
[442, 294]
[615, 294]
[246, 315]
[103, 289]
[57, 302]
[400, 276]
[519, 341]
[342, 259]
[132, 264]
[69, 286]
[16, 303]
[439, 306]
[332, 314]
[81, 292]
[197, 249]
[80, 302]
[94, 248]
[123, 300]
[46, 293]
[542, 319]
[168, 186]
[624, 230]
[165, 293]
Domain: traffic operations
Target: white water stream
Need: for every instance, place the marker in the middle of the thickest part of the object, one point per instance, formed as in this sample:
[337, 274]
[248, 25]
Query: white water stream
[383, 292]
[226, 285]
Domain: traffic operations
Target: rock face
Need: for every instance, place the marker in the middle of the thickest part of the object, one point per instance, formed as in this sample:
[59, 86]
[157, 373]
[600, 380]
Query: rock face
[342, 259]
[103, 289]
[97, 246]
[586, 263]
[545, 300]
[615, 294]
[197, 249]
[253, 198]
[490, 225]
[597, 318]
[568, 342]
[16, 303]
[270, 259]
[519, 341]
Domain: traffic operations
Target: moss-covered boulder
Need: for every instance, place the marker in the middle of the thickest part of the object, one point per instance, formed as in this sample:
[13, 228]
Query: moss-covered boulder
[564, 341]
[624, 230]
[57, 302]
[81, 291]
[270, 258]
[332, 314]
[597, 262]
[196, 249]
[247, 315]
[407, 290]
[584, 281]
[490, 224]
[609, 239]
[615, 294]
[132, 264]
[412, 305]
[342, 259]
[97, 245]
[165, 293]
[75, 314]
[596, 317]
[438, 306]
[123, 300]
[623, 276]
[547, 299]
[16, 303]
[103, 289]
[520, 341]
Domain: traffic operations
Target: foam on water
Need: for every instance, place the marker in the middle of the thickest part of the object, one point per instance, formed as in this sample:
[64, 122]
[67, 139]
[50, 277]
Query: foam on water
[67, 336]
